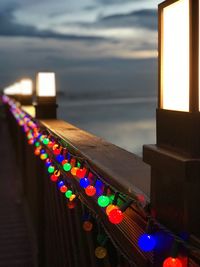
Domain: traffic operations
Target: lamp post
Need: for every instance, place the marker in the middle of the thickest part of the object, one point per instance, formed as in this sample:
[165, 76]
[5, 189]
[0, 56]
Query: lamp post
[45, 105]
[175, 159]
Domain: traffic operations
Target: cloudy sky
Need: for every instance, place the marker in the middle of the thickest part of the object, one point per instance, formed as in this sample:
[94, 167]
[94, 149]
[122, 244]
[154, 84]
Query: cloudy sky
[96, 47]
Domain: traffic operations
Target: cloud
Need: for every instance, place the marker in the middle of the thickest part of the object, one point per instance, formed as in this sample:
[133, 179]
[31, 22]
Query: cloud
[11, 28]
[144, 18]
[113, 2]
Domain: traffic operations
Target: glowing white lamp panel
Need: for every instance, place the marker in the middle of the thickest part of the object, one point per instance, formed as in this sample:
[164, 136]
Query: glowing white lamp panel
[26, 87]
[175, 57]
[46, 84]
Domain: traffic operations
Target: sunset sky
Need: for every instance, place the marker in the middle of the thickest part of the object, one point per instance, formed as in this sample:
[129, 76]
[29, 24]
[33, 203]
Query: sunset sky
[94, 46]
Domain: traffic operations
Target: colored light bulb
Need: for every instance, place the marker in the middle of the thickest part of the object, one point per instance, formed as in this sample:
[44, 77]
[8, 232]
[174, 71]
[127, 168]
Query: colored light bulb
[63, 189]
[74, 170]
[68, 194]
[56, 151]
[81, 173]
[42, 151]
[60, 158]
[100, 252]
[60, 183]
[48, 162]
[44, 156]
[31, 141]
[45, 141]
[37, 144]
[115, 216]
[73, 196]
[87, 226]
[54, 178]
[50, 144]
[84, 182]
[172, 262]
[103, 201]
[109, 208]
[146, 242]
[90, 190]
[37, 151]
[51, 169]
[71, 205]
[41, 137]
[67, 167]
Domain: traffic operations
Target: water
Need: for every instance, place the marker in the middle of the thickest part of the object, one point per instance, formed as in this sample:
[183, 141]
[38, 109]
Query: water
[128, 123]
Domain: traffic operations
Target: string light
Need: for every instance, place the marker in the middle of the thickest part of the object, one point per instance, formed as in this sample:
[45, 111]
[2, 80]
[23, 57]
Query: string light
[81, 173]
[84, 182]
[67, 167]
[74, 171]
[71, 204]
[172, 262]
[51, 169]
[100, 252]
[63, 189]
[146, 242]
[90, 190]
[115, 216]
[60, 158]
[68, 194]
[103, 201]
[45, 141]
[87, 226]
[73, 196]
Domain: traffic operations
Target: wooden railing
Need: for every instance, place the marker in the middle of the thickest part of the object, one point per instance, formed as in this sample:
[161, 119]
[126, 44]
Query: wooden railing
[60, 237]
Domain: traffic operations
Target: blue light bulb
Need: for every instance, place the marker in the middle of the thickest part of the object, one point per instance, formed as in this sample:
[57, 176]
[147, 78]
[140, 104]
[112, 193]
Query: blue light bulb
[146, 242]
[84, 182]
[60, 183]
[60, 158]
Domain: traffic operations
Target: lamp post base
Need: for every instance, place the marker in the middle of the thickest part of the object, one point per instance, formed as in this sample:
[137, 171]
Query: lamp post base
[174, 189]
[46, 111]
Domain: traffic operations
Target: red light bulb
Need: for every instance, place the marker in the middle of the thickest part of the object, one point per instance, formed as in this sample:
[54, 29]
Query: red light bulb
[50, 144]
[54, 178]
[31, 141]
[37, 151]
[81, 173]
[87, 226]
[63, 189]
[90, 190]
[71, 204]
[56, 151]
[172, 262]
[115, 216]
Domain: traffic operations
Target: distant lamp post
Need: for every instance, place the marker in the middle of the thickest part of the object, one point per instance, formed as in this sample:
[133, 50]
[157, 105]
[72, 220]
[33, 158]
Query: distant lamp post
[175, 159]
[13, 91]
[45, 95]
[26, 91]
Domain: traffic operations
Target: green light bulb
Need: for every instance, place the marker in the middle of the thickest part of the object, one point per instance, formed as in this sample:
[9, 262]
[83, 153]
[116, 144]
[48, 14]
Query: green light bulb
[45, 141]
[51, 169]
[68, 194]
[37, 144]
[67, 167]
[103, 201]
